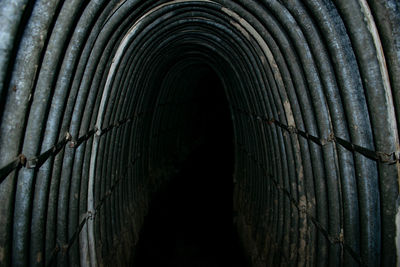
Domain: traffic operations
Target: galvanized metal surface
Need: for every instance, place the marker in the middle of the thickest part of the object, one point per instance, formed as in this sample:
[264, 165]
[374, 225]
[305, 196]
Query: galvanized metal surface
[94, 99]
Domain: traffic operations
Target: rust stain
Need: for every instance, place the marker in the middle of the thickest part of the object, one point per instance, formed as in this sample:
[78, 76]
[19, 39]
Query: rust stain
[39, 257]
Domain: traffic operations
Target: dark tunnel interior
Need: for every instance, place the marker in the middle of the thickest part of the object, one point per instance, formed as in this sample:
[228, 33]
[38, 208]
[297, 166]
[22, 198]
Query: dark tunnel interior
[199, 133]
[190, 219]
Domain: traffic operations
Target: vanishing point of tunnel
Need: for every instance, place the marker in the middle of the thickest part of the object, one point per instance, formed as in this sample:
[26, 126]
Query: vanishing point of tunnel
[199, 133]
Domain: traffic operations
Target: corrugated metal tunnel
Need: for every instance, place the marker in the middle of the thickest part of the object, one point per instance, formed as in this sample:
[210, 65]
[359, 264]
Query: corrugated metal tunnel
[103, 102]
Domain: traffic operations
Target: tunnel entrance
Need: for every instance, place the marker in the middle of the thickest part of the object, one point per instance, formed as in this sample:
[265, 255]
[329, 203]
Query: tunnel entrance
[190, 220]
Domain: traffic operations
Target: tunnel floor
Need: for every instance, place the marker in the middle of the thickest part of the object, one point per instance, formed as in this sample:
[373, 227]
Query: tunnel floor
[190, 221]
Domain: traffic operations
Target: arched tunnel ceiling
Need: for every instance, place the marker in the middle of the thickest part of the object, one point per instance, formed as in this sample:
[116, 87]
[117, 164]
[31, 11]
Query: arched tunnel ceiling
[98, 97]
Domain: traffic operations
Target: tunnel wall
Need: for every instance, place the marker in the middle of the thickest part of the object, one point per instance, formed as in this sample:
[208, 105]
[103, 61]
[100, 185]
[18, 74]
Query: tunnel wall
[97, 104]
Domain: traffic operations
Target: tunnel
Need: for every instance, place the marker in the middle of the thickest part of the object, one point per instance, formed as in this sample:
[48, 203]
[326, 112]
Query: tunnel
[251, 133]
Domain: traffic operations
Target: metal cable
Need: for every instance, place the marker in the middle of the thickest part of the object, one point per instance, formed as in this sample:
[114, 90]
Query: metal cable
[303, 209]
[37, 161]
[389, 158]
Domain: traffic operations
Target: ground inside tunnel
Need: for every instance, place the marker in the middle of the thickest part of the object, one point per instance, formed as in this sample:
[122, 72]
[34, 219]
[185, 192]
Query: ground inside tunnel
[190, 221]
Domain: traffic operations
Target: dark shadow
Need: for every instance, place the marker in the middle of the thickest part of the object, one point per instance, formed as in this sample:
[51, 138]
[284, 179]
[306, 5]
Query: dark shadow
[190, 222]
